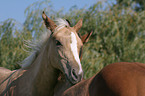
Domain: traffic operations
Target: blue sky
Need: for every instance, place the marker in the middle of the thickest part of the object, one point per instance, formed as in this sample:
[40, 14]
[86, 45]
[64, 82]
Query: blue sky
[15, 8]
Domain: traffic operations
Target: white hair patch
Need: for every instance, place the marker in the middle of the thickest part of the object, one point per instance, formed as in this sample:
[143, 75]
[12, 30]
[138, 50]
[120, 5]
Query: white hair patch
[74, 50]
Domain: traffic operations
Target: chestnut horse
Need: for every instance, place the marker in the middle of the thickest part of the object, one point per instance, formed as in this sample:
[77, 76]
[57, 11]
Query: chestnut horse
[57, 52]
[118, 79]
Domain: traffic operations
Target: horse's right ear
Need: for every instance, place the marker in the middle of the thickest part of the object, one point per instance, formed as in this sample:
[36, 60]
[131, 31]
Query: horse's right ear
[78, 26]
[48, 22]
[86, 37]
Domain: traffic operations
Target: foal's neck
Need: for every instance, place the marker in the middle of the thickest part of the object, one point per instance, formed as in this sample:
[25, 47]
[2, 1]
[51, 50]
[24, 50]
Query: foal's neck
[62, 85]
[45, 76]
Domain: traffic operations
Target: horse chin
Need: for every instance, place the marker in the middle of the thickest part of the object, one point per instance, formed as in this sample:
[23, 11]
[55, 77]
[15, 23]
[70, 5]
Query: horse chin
[71, 80]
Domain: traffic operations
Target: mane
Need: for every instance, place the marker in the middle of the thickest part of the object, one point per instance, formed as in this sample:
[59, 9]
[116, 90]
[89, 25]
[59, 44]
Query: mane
[36, 46]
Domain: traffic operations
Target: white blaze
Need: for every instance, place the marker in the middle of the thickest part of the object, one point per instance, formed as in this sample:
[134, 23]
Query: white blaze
[74, 50]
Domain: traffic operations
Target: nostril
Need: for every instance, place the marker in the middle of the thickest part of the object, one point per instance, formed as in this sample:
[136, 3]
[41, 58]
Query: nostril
[74, 75]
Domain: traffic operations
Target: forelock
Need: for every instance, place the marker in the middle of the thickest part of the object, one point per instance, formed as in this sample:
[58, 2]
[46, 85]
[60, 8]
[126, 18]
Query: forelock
[61, 23]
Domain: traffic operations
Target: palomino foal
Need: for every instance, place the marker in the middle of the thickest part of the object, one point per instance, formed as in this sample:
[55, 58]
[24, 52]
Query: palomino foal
[118, 79]
[56, 53]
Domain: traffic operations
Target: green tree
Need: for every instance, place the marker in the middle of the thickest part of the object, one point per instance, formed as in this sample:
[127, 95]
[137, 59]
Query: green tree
[11, 43]
[138, 5]
[118, 34]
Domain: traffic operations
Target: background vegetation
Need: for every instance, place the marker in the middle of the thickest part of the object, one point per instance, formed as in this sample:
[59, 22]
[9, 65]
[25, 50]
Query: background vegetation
[118, 33]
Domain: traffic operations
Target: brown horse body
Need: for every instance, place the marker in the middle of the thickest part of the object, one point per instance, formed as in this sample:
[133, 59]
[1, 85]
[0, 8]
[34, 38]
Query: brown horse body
[118, 79]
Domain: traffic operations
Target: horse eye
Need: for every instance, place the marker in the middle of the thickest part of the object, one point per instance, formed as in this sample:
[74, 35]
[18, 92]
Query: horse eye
[58, 44]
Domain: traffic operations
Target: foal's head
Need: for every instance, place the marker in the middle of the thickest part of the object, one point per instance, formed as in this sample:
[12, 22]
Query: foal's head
[65, 48]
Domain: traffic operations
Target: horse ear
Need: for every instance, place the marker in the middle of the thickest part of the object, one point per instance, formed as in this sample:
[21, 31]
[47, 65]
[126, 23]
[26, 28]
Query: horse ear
[78, 25]
[48, 22]
[86, 37]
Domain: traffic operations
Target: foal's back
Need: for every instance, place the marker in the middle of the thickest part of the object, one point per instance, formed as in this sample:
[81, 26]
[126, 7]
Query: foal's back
[118, 79]
[4, 77]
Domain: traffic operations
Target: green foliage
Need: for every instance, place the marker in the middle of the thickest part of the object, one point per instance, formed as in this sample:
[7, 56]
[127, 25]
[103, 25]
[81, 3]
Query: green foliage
[11, 44]
[118, 34]
[33, 22]
[137, 5]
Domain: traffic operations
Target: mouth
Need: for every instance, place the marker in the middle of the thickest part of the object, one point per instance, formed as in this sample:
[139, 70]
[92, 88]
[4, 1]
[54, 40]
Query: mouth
[73, 78]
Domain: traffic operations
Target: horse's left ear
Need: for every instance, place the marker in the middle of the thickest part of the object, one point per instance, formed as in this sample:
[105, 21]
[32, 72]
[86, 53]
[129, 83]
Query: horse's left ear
[48, 22]
[86, 37]
[78, 25]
